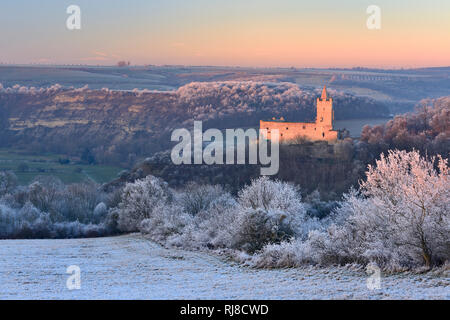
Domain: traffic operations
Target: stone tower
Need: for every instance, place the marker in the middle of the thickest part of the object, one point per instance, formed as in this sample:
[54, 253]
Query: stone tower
[325, 113]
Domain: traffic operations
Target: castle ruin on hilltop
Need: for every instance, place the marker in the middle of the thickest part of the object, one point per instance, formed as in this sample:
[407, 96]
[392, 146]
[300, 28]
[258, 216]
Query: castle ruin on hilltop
[320, 130]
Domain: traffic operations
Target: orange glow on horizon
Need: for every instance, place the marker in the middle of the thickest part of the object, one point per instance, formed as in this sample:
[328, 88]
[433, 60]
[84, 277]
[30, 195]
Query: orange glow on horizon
[255, 33]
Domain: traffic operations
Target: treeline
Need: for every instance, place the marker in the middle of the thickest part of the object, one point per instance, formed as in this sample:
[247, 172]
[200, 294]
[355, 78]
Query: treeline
[427, 130]
[330, 169]
[119, 127]
[47, 208]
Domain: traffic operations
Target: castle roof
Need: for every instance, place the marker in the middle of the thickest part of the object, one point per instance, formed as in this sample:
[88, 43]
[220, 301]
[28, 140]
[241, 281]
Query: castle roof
[324, 93]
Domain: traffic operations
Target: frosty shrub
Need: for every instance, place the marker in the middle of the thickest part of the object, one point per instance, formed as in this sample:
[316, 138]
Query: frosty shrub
[75, 202]
[267, 194]
[7, 221]
[193, 217]
[78, 203]
[401, 219]
[327, 243]
[286, 254]
[189, 218]
[276, 198]
[101, 210]
[316, 207]
[139, 199]
[44, 193]
[196, 198]
[267, 212]
[254, 228]
[31, 223]
[49, 209]
[211, 228]
[166, 222]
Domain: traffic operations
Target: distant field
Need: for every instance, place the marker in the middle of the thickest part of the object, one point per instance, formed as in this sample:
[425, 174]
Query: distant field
[410, 85]
[94, 77]
[28, 166]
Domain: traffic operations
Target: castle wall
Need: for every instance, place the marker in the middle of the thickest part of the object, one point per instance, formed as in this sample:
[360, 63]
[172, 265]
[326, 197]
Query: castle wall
[293, 130]
[320, 130]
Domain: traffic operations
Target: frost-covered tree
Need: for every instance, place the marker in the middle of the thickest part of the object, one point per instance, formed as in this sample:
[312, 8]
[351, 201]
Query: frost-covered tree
[44, 193]
[139, 199]
[275, 196]
[166, 222]
[268, 212]
[8, 182]
[78, 202]
[267, 194]
[400, 219]
[211, 228]
[196, 198]
[254, 228]
[413, 198]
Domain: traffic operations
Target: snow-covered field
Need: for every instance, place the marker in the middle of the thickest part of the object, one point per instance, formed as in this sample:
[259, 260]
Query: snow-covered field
[131, 267]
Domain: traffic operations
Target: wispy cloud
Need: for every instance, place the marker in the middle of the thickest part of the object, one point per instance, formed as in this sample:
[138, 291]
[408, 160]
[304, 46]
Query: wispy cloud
[99, 53]
[96, 58]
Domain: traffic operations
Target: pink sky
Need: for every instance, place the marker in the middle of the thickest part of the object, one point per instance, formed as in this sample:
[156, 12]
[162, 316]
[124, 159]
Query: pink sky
[258, 33]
